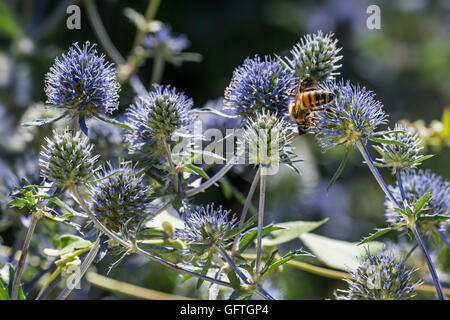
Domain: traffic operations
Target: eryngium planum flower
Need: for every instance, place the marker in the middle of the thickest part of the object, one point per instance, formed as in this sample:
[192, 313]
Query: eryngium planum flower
[119, 198]
[315, 56]
[379, 277]
[67, 159]
[417, 183]
[398, 157]
[82, 83]
[164, 42]
[259, 85]
[154, 118]
[266, 140]
[206, 225]
[355, 115]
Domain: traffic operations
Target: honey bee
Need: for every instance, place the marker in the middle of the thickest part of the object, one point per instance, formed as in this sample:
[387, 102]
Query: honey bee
[308, 100]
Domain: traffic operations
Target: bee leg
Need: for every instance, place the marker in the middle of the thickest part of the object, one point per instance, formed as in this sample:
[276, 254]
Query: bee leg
[301, 130]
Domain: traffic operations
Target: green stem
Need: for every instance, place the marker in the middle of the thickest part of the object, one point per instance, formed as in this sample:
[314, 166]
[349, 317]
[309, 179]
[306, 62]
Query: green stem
[172, 170]
[205, 185]
[245, 209]
[150, 14]
[400, 185]
[23, 256]
[365, 153]
[431, 268]
[158, 69]
[262, 196]
[84, 267]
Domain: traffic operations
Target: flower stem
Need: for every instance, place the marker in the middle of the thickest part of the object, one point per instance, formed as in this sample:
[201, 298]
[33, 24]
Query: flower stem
[258, 289]
[262, 197]
[23, 255]
[245, 209]
[205, 185]
[84, 267]
[443, 237]
[365, 153]
[158, 69]
[431, 268]
[171, 166]
[400, 185]
[130, 246]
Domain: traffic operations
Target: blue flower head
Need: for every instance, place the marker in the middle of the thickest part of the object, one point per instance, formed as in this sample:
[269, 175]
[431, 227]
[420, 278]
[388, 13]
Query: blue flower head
[206, 225]
[165, 42]
[119, 197]
[155, 118]
[259, 85]
[417, 183]
[82, 83]
[379, 277]
[355, 115]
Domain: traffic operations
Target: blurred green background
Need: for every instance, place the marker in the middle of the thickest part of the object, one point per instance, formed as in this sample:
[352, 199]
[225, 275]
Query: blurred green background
[406, 63]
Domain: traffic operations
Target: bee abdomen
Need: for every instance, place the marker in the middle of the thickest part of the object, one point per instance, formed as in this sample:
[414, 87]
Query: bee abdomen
[317, 98]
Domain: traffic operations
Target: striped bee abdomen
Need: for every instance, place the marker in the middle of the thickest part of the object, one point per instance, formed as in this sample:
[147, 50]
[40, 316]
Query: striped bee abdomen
[317, 98]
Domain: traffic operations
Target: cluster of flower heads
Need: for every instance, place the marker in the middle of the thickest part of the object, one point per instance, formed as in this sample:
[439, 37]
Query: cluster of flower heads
[417, 183]
[164, 42]
[257, 85]
[119, 197]
[82, 83]
[400, 157]
[355, 115]
[206, 225]
[315, 56]
[155, 118]
[67, 159]
[266, 140]
[379, 277]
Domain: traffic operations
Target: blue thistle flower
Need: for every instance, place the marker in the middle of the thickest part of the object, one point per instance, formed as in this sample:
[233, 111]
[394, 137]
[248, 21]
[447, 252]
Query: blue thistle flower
[379, 277]
[120, 197]
[417, 183]
[315, 56]
[67, 159]
[259, 85]
[165, 42]
[206, 225]
[82, 84]
[400, 157]
[266, 140]
[355, 115]
[155, 118]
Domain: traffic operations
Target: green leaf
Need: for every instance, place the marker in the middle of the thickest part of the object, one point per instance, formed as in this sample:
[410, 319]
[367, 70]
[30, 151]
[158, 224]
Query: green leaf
[245, 226]
[8, 24]
[234, 280]
[41, 122]
[421, 202]
[68, 243]
[433, 219]
[250, 235]
[379, 233]
[292, 230]
[3, 292]
[339, 170]
[287, 257]
[196, 170]
[423, 158]
[204, 272]
[338, 254]
[382, 133]
[113, 122]
[226, 188]
[386, 141]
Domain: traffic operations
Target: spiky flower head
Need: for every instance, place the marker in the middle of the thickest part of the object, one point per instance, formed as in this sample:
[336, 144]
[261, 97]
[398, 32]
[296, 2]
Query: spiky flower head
[82, 83]
[165, 43]
[155, 118]
[355, 115]
[315, 56]
[119, 197]
[67, 159]
[379, 277]
[416, 183]
[398, 157]
[206, 225]
[259, 85]
[266, 140]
